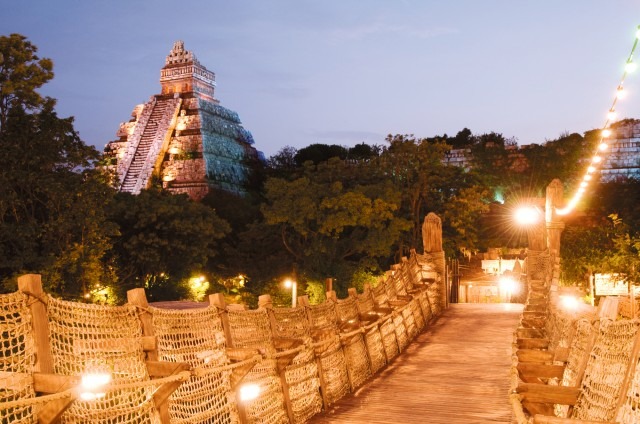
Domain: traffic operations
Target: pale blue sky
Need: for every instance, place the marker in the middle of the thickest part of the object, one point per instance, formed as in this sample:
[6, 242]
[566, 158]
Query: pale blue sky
[345, 71]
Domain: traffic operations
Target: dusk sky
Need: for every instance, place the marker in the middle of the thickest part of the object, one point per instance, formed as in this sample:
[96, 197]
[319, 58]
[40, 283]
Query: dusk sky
[342, 72]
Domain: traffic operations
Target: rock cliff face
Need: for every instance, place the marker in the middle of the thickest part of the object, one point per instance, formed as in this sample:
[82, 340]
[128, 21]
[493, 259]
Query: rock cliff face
[182, 137]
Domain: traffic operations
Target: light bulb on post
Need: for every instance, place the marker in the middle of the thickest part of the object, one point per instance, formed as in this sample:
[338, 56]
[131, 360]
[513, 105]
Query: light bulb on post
[527, 215]
[620, 93]
[603, 146]
[606, 132]
[290, 284]
[611, 115]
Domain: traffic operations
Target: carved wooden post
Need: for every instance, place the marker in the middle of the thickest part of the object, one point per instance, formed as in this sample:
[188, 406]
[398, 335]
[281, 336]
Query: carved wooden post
[331, 295]
[432, 243]
[31, 284]
[554, 228]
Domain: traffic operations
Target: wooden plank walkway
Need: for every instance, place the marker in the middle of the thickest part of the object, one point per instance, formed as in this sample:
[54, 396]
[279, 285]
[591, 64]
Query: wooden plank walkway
[455, 372]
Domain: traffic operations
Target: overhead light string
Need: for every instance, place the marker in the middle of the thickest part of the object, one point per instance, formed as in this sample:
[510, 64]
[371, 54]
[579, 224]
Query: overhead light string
[603, 146]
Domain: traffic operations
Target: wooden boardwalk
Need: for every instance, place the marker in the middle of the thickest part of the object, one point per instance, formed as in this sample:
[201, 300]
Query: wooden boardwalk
[455, 372]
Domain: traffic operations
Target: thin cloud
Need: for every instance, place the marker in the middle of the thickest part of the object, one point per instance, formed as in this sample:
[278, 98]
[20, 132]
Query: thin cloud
[347, 136]
[364, 31]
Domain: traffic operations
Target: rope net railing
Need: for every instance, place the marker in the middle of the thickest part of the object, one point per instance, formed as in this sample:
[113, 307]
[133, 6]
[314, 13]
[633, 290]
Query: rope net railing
[573, 362]
[196, 365]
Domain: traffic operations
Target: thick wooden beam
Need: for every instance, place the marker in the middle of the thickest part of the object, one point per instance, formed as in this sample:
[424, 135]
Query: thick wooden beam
[541, 393]
[137, 297]
[158, 369]
[533, 343]
[532, 355]
[31, 284]
[53, 383]
[161, 396]
[53, 410]
[540, 370]
[538, 408]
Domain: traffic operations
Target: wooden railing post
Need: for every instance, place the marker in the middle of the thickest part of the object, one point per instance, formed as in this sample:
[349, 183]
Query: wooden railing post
[31, 284]
[138, 298]
[220, 303]
[265, 302]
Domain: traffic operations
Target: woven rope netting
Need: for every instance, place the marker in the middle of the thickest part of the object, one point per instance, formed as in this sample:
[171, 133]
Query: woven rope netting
[347, 310]
[375, 349]
[380, 295]
[324, 319]
[409, 319]
[17, 358]
[94, 338]
[578, 356]
[605, 371]
[386, 331]
[434, 293]
[629, 412]
[196, 336]
[252, 329]
[334, 372]
[302, 375]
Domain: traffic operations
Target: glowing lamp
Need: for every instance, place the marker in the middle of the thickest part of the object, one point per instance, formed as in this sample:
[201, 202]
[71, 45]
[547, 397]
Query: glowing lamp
[249, 392]
[620, 93]
[630, 66]
[583, 184]
[606, 132]
[168, 177]
[569, 303]
[603, 146]
[596, 159]
[587, 177]
[611, 115]
[92, 383]
[174, 150]
[526, 215]
[591, 169]
[509, 285]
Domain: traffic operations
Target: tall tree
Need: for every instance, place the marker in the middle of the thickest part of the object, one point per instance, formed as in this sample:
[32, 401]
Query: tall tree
[162, 240]
[21, 73]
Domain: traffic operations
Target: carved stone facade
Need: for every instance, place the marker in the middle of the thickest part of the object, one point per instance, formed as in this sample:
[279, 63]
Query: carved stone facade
[623, 159]
[183, 136]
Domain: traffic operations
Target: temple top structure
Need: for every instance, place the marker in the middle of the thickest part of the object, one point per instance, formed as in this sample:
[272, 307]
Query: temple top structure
[183, 73]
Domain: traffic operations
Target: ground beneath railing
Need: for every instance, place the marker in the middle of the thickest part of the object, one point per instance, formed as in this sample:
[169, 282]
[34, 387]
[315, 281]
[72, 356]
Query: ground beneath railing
[455, 372]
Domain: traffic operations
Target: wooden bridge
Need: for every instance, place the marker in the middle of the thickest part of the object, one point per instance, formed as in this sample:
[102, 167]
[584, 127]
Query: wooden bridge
[457, 371]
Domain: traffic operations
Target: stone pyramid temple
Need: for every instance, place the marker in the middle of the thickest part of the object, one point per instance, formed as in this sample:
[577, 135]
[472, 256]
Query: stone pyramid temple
[182, 138]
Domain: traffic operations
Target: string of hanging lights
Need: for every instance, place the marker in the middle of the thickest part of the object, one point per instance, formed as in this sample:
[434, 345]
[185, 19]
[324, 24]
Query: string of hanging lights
[605, 133]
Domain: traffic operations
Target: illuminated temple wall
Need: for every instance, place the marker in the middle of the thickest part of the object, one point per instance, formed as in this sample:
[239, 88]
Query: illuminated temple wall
[182, 138]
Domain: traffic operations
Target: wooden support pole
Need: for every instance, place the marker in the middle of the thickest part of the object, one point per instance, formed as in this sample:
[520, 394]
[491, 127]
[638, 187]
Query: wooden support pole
[31, 284]
[137, 297]
[218, 301]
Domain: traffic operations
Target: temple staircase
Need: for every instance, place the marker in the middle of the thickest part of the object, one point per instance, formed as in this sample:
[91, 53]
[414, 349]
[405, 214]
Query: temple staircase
[161, 118]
